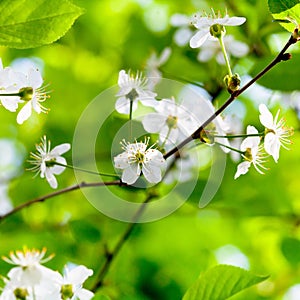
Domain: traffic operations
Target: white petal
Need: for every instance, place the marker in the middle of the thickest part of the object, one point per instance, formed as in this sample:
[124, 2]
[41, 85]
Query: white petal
[233, 21]
[179, 20]
[24, 113]
[60, 149]
[155, 158]
[250, 142]
[10, 103]
[205, 54]
[121, 161]
[164, 56]
[131, 174]
[78, 275]
[84, 294]
[242, 169]
[152, 173]
[35, 78]
[266, 118]
[272, 145]
[153, 122]
[182, 36]
[51, 178]
[199, 38]
[57, 170]
[123, 78]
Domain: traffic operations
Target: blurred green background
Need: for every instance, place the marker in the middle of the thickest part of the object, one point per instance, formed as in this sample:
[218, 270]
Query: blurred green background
[253, 221]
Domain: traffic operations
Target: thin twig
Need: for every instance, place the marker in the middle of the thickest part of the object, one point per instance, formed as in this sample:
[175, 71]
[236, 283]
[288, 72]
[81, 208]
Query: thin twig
[280, 57]
[60, 192]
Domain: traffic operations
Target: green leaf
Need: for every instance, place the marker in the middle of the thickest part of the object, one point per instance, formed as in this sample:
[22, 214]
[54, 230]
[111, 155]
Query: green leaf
[28, 24]
[283, 77]
[84, 231]
[221, 282]
[284, 10]
[278, 6]
[290, 248]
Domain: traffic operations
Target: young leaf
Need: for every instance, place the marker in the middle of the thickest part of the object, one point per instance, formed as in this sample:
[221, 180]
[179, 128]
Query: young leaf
[285, 10]
[221, 282]
[28, 24]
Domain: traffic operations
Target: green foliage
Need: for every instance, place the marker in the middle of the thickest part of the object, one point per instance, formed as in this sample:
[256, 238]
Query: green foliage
[273, 80]
[221, 282]
[28, 24]
[286, 10]
[290, 248]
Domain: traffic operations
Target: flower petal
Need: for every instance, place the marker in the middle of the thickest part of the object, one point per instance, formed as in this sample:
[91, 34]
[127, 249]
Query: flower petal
[131, 174]
[78, 275]
[154, 122]
[51, 178]
[121, 161]
[242, 169]
[272, 145]
[266, 118]
[24, 113]
[199, 38]
[60, 149]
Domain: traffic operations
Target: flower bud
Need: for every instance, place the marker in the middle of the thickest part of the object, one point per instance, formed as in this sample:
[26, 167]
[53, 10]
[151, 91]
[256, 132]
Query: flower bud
[206, 138]
[232, 82]
[26, 93]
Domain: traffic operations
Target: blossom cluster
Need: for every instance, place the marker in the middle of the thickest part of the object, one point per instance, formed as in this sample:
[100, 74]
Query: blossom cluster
[29, 279]
[26, 89]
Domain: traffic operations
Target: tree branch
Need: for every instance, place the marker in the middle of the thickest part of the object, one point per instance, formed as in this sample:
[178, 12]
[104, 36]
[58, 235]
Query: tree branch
[282, 56]
[60, 192]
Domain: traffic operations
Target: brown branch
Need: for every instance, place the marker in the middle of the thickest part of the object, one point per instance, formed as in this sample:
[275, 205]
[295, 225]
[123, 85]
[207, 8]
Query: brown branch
[60, 192]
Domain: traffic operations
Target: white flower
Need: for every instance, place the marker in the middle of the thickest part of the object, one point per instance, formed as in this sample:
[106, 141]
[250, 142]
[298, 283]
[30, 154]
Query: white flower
[211, 48]
[172, 121]
[5, 203]
[71, 283]
[276, 132]
[29, 271]
[9, 82]
[33, 94]
[152, 67]
[137, 159]
[183, 34]
[252, 153]
[49, 162]
[133, 89]
[205, 24]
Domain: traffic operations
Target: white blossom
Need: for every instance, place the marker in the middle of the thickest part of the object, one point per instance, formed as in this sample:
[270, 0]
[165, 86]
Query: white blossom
[172, 121]
[49, 162]
[34, 94]
[212, 49]
[137, 159]
[133, 89]
[204, 25]
[184, 33]
[29, 272]
[253, 153]
[152, 67]
[69, 286]
[276, 132]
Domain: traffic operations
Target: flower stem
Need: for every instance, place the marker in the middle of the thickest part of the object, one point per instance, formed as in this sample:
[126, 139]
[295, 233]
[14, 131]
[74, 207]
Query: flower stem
[84, 170]
[228, 147]
[166, 138]
[239, 135]
[12, 95]
[130, 119]
[225, 55]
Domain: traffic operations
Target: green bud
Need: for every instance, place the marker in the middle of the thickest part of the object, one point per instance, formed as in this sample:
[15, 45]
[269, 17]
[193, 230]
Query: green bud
[66, 291]
[217, 30]
[206, 138]
[232, 82]
[21, 293]
[172, 122]
[26, 93]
